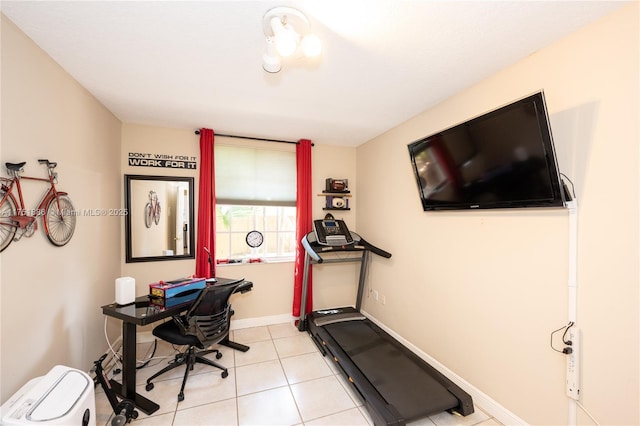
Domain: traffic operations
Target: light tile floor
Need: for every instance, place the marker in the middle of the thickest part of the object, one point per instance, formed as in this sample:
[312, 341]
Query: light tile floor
[282, 380]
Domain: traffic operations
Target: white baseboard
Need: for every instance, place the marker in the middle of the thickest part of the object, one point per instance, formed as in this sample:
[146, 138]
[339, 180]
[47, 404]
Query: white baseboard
[261, 321]
[148, 337]
[488, 404]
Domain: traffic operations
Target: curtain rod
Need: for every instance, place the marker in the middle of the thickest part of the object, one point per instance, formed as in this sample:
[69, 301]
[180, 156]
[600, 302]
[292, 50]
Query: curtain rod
[197, 132]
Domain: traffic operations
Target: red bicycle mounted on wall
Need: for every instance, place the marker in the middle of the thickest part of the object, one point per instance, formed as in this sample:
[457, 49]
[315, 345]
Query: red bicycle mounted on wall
[55, 208]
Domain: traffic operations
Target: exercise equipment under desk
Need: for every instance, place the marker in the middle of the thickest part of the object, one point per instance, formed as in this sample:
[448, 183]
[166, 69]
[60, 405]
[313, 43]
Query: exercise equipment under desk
[140, 313]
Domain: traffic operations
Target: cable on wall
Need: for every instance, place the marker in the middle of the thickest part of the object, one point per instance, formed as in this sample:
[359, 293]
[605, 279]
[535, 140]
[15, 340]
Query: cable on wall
[572, 287]
[566, 328]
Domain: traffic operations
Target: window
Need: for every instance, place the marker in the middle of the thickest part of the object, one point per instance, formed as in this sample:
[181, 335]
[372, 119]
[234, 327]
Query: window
[255, 190]
[276, 223]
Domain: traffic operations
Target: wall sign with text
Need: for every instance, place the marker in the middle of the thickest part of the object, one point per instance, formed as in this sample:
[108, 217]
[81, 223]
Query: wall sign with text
[140, 159]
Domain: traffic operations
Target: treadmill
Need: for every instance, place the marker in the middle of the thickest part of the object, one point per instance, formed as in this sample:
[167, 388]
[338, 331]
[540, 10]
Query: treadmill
[395, 384]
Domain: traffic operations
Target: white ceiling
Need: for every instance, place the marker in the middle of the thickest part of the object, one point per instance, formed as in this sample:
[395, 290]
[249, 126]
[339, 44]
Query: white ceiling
[197, 64]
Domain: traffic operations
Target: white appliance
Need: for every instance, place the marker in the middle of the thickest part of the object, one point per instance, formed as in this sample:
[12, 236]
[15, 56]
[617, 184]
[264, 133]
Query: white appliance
[64, 396]
[125, 290]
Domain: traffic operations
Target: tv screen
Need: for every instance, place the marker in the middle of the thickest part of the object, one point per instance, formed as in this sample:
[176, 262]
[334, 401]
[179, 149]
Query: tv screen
[502, 159]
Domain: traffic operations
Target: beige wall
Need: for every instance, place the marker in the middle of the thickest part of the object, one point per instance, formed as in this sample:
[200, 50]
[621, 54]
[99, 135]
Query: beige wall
[51, 296]
[139, 139]
[480, 291]
[272, 293]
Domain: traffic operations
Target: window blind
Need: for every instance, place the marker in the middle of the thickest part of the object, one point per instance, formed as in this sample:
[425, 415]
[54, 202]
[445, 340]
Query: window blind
[254, 176]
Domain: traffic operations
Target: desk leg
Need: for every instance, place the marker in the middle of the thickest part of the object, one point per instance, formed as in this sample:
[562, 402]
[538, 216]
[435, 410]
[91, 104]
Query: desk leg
[128, 388]
[128, 359]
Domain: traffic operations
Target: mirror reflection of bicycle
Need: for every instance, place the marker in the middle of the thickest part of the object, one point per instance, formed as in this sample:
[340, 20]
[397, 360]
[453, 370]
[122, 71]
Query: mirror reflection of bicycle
[55, 208]
[152, 210]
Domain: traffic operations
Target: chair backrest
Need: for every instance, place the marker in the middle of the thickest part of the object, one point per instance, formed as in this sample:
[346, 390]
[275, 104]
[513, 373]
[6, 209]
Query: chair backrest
[209, 317]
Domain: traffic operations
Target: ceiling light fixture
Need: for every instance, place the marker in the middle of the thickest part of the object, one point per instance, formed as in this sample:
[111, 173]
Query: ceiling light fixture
[271, 60]
[287, 29]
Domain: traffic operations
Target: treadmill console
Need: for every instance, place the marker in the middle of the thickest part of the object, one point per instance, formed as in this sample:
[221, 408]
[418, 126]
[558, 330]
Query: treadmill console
[332, 232]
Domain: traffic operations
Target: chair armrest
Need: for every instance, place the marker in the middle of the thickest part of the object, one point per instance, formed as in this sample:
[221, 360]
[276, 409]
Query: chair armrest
[244, 287]
[182, 323]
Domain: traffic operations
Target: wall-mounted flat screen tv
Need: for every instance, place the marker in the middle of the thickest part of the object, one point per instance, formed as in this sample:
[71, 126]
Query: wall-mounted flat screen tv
[502, 159]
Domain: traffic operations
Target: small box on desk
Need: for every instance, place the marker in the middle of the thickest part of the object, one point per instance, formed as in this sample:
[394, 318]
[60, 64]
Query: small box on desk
[182, 298]
[168, 289]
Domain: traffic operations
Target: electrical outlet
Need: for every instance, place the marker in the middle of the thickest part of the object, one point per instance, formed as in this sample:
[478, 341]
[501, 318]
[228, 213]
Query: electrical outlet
[573, 363]
[383, 299]
[375, 295]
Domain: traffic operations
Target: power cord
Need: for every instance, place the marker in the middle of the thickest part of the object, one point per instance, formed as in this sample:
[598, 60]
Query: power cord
[116, 355]
[153, 352]
[583, 408]
[573, 189]
[567, 349]
[118, 358]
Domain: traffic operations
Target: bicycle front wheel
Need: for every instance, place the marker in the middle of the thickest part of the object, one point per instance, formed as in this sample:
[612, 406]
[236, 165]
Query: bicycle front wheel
[148, 215]
[7, 226]
[59, 220]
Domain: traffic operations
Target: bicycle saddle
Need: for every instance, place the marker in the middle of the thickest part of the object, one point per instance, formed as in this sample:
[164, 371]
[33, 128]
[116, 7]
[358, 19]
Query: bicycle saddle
[15, 166]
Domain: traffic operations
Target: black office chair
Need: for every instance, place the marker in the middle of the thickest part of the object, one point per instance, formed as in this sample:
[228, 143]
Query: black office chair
[205, 323]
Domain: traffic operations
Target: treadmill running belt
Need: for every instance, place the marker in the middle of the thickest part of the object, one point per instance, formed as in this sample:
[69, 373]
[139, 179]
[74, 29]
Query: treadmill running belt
[404, 382]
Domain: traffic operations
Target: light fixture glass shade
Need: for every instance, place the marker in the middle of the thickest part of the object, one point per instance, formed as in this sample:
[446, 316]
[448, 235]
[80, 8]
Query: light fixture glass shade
[286, 38]
[270, 60]
[271, 64]
[311, 46]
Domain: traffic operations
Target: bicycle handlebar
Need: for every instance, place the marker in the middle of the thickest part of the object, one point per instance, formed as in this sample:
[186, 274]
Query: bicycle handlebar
[50, 164]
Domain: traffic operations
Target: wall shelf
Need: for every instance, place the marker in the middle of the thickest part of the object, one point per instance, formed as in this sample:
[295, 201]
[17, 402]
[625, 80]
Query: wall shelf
[336, 200]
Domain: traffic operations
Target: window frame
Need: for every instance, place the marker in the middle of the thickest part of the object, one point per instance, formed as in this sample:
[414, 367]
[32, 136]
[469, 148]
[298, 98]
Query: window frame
[269, 234]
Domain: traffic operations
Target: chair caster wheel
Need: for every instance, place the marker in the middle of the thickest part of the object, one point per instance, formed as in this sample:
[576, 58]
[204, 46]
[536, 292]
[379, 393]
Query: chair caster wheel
[149, 386]
[225, 374]
[180, 397]
[219, 355]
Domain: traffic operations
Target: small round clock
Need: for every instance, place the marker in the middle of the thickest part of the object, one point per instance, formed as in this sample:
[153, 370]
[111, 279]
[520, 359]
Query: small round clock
[254, 239]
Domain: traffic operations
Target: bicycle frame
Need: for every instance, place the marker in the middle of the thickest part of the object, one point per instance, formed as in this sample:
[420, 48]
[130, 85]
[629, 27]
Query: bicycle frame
[22, 218]
[54, 208]
[153, 199]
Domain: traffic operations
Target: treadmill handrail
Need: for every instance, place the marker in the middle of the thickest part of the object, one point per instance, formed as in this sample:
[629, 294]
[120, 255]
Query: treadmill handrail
[310, 251]
[374, 249]
[312, 247]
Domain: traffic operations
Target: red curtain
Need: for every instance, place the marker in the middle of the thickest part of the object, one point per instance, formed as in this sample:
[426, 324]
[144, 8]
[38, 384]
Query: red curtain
[206, 208]
[304, 221]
